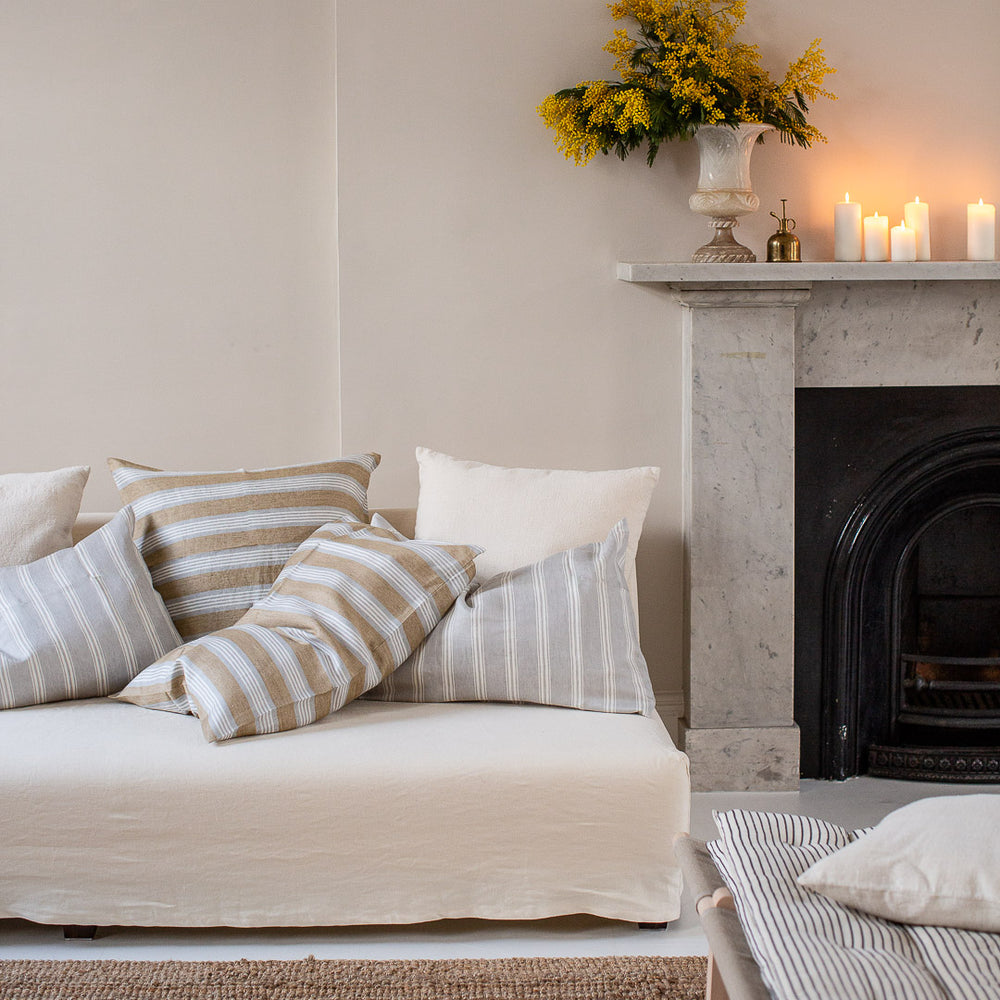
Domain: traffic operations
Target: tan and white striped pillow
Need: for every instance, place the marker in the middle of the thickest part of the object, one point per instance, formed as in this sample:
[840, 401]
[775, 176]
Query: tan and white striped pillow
[215, 541]
[352, 603]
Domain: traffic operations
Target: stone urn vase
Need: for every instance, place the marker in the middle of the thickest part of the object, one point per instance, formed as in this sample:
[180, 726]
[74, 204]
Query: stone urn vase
[724, 190]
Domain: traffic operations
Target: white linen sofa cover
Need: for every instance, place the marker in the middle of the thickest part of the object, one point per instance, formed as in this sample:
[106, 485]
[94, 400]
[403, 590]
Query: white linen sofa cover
[381, 813]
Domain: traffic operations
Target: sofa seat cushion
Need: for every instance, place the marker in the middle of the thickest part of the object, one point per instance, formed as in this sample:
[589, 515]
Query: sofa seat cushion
[380, 813]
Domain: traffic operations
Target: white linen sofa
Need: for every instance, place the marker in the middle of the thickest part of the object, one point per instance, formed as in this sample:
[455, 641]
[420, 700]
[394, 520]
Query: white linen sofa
[383, 812]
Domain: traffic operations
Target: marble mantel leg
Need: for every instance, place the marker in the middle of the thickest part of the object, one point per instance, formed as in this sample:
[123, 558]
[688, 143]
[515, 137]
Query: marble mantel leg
[739, 346]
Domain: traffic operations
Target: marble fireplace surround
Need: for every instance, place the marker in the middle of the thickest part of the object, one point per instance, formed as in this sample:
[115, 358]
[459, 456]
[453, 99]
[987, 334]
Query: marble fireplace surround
[752, 334]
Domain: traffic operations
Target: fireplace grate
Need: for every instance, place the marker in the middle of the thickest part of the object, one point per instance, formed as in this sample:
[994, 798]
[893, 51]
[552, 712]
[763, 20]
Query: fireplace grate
[938, 691]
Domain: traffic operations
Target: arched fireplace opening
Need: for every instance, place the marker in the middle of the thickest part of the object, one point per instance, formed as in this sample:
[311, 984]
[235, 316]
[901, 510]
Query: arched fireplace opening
[905, 661]
[946, 624]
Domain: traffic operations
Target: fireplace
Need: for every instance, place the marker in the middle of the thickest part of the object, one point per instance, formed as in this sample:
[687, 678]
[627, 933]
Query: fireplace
[751, 337]
[897, 668]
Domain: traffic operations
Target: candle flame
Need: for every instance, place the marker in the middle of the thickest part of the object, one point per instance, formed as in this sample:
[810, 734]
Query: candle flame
[916, 199]
[876, 215]
[847, 197]
[980, 201]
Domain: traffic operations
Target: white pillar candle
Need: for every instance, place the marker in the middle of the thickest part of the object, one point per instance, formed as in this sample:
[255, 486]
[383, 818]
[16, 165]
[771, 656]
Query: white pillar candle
[876, 237]
[847, 239]
[982, 227]
[916, 216]
[903, 243]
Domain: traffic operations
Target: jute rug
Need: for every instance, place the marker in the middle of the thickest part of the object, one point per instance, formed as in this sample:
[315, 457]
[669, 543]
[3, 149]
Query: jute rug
[618, 978]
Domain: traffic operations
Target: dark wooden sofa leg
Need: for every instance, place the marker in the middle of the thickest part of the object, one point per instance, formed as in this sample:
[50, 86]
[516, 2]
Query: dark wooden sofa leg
[88, 931]
[653, 927]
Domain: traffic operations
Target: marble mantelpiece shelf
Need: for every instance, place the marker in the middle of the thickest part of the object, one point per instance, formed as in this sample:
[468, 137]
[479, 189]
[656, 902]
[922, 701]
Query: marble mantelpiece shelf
[806, 272]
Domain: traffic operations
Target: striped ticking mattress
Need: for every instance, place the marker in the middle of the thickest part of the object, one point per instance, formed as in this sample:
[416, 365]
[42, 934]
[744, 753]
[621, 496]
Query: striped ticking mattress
[808, 946]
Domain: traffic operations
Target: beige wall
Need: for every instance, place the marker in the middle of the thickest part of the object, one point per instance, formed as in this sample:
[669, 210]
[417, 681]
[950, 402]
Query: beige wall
[479, 310]
[168, 241]
[167, 238]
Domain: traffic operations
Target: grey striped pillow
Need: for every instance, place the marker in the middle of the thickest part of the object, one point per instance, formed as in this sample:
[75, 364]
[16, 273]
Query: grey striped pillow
[80, 622]
[351, 604]
[561, 631]
[215, 541]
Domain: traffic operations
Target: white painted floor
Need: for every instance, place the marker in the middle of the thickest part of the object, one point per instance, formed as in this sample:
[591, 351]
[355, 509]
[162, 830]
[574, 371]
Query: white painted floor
[855, 803]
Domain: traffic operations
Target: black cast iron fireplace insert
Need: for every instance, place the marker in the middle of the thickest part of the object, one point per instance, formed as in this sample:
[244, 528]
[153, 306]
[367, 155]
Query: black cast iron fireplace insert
[898, 582]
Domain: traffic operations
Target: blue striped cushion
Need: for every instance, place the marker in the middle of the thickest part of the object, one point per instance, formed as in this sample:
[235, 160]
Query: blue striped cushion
[561, 631]
[215, 541]
[80, 622]
[351, 604]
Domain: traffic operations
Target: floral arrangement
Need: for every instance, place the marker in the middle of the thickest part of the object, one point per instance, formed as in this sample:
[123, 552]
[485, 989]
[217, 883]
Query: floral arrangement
[685, 69]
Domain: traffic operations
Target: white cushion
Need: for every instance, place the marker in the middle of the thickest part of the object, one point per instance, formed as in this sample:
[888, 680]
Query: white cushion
[37, 511]
[520, 516]
[935, 861]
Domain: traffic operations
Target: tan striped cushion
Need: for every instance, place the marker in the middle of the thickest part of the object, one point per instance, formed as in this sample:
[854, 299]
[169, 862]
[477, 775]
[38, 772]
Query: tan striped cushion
[80, 622]
[351, 605]
[215, 541]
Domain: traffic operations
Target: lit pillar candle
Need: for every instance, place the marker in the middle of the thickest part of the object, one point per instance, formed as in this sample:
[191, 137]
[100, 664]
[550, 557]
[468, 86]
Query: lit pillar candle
[847, 240]
[916, 216]
[903, 243]
[981, 239]
[876, 237]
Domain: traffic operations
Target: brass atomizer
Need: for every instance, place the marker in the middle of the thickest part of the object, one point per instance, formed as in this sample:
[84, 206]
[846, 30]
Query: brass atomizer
[784, 244]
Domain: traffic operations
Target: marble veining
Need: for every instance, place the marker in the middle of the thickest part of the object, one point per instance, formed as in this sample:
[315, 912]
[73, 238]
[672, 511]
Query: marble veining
[916, 333]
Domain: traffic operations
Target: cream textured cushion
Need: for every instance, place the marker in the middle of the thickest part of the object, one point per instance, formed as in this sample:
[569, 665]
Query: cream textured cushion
[558, 632]
[37, 511]
[522, 515]
[935, 861]
[215, 541]
[351, 604]
[80, 622]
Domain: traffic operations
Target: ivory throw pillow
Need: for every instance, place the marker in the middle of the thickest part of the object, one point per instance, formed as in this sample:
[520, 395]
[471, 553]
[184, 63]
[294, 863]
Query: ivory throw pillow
[37, 511]
[352, 603]
[561, 631]
[215, 541]
[522, 515]
[935, 861]
[80, 622]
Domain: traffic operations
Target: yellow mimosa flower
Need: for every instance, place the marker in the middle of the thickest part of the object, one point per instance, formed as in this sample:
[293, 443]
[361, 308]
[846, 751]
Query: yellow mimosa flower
[682, 68]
